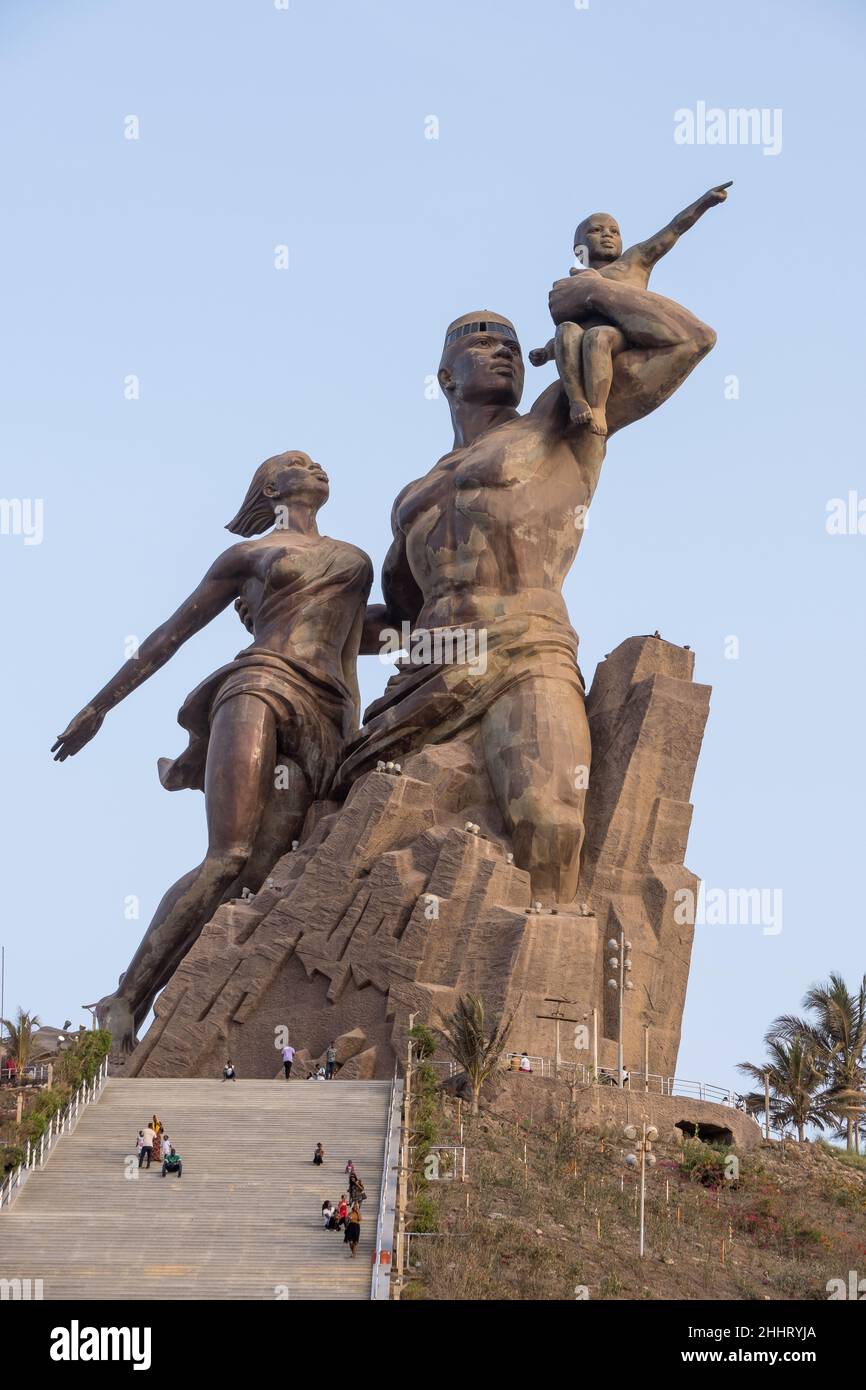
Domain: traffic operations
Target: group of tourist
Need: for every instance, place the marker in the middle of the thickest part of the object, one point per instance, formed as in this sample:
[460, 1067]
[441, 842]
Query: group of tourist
[153, 1144]
[323, 1072]
[521, 1063]
[344, 1215]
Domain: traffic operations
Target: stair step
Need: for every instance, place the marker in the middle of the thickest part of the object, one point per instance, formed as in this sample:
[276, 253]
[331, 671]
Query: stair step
[242, 1222]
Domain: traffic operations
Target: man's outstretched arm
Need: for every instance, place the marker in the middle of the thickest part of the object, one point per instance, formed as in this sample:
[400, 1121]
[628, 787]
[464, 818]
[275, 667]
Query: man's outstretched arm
[655, 247]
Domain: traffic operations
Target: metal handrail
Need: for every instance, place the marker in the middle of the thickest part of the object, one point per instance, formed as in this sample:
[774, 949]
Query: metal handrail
[379, 1287]
[584, 1074]
[61, 1123]
[34, 1072]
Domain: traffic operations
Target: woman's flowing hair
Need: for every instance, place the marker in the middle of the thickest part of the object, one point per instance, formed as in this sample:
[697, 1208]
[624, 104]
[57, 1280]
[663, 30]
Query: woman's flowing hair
[257, 512]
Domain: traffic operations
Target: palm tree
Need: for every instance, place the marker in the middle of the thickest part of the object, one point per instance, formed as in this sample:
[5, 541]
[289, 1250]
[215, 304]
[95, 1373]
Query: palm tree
[837, 1037]
[474, 1041]
[796, 1078]
[21, 1037]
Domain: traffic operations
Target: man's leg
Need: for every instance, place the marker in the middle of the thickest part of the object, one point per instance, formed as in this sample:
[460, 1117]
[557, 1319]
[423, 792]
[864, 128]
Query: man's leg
[537, 749]
[148, 1151]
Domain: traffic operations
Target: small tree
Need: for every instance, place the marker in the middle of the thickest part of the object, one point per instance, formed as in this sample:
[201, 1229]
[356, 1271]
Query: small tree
[796, 1077]
[475, 1041]
[20, 1040]
[836, 1034]
[424, 1040]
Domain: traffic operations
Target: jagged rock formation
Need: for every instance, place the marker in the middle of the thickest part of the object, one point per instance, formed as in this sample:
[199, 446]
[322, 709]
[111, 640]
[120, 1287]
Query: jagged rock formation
[390, 906]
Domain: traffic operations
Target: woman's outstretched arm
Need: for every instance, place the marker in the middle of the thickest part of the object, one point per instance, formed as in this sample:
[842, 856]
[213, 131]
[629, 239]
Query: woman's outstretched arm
[216, 591]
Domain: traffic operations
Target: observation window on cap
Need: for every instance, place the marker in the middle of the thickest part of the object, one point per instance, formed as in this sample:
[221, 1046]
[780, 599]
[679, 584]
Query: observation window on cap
[481, 326]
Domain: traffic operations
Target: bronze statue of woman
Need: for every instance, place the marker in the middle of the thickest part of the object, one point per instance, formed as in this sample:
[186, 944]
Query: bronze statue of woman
[267, 730]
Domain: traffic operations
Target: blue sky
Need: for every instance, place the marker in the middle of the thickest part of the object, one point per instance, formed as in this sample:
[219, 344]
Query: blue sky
[305, 127]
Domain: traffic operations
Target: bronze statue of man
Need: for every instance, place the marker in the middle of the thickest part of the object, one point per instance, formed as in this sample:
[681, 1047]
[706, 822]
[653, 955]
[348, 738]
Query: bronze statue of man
[484, 542]
[267, 730]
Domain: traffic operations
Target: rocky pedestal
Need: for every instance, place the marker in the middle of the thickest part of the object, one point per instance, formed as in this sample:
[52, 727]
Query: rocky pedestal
[390, 906]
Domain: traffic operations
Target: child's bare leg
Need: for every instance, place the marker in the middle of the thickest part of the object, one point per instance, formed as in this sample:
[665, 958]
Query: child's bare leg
[538, 356]
[600, 345]
[569, 361]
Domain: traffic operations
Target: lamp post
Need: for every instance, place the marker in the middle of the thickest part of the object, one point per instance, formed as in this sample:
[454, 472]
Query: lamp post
[558, 1017]
[647, 1138]
[619, 963]
[593, 1016]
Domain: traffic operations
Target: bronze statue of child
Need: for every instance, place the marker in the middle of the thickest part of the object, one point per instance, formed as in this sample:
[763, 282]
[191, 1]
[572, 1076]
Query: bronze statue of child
[616, 310]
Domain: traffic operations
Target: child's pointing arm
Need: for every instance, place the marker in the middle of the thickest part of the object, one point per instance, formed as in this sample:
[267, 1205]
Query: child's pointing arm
[655, 247]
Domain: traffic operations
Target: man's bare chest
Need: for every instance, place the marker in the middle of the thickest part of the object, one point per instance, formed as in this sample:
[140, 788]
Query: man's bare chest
[481, 477]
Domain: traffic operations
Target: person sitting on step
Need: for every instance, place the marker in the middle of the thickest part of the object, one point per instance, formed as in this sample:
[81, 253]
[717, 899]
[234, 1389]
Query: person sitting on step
[172, 1163]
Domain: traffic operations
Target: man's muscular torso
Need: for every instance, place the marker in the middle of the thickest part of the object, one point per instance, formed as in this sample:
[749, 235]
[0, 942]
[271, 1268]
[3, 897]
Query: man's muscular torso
[494, 527]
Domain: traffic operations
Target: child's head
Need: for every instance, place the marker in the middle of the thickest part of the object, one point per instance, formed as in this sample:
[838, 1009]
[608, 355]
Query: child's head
[598, 239]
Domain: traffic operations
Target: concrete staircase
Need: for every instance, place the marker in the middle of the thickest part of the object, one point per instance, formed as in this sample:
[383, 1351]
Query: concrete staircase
[244, 1220]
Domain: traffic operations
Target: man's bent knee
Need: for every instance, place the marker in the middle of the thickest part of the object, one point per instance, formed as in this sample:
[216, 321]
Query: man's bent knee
[548, 837]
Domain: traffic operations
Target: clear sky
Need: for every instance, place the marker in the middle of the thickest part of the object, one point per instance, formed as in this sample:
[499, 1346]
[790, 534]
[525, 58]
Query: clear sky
[307, 127]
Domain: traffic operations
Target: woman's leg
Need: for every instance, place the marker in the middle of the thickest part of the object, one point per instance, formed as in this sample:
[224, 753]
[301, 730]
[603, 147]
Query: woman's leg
[281, 822]
[238, 781]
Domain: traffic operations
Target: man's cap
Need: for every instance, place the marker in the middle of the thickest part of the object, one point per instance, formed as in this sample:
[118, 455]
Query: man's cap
[481, 321]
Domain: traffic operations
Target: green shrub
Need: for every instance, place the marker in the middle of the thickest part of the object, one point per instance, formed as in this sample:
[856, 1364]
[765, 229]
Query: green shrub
[79, 1063]
[425, 1216]
[10, 1156]
[424, 1040]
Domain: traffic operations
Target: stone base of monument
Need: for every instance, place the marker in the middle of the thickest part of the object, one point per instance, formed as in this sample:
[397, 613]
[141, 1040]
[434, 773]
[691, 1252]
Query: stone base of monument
[391, 907]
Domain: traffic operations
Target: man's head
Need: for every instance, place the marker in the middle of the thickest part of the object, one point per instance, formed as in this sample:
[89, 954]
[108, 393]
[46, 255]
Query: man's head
[481, 361]
[599, 234]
